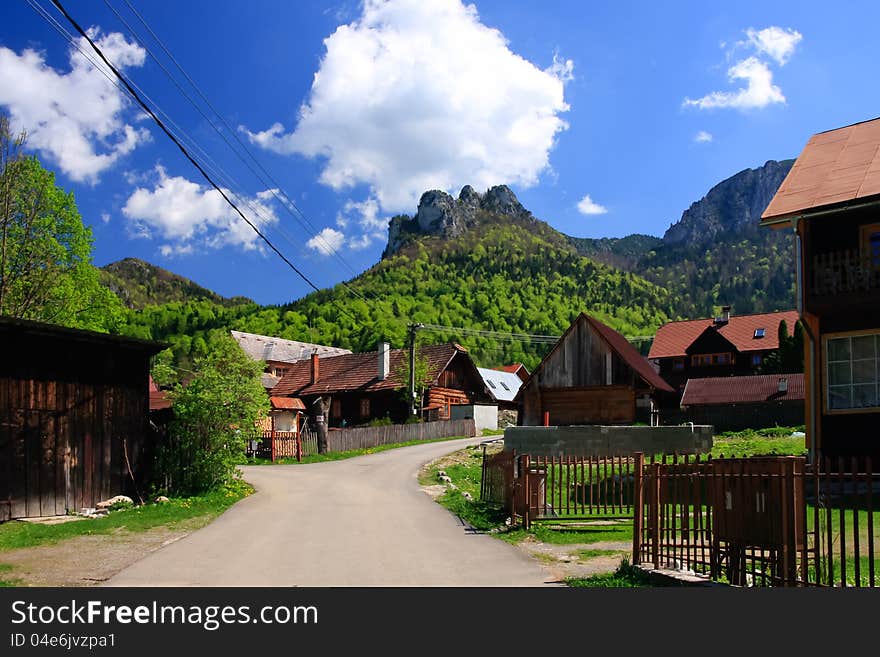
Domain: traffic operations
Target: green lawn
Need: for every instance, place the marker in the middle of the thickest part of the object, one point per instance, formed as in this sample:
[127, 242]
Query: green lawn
[626, 576]
[775, 441]
[15, 535]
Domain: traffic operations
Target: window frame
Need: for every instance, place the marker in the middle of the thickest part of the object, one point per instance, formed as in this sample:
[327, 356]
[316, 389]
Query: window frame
[826, 378]
[364, 407]
[865, 233]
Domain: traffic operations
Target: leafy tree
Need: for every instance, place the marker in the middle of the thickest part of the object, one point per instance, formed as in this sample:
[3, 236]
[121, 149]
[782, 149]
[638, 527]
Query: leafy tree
[45, 250]
[215, 414]
[162, 369]
[789, 358]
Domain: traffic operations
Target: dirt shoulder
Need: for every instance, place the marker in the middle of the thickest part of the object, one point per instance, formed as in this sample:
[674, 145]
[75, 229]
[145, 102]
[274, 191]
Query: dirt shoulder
[91, 559]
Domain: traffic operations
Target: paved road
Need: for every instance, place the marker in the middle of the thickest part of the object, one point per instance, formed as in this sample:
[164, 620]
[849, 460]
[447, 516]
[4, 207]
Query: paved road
[359, 522]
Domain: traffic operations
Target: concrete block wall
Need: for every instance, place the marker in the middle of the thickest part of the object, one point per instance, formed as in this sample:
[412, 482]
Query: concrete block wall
[602, 440]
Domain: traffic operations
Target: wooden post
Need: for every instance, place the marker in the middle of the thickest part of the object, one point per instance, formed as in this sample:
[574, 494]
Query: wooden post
[546, 418]
[272, 439]
[638, 507]
[655, 515]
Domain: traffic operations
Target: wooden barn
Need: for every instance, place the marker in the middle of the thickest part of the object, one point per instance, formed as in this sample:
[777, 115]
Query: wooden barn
[74, 424]
[593, 375]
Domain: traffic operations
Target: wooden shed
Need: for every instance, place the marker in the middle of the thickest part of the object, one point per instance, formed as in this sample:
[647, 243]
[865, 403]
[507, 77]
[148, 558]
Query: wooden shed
[73, 417]
[593, 375]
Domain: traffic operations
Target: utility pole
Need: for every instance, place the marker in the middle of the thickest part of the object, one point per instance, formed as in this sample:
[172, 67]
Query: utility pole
[412, 366]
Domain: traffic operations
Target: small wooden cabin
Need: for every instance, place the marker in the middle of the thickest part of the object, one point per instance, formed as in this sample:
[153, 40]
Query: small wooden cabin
[593, 375]
[74, 424]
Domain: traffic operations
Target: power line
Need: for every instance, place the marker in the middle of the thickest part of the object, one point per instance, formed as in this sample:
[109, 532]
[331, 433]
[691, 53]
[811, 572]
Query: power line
[180, 146]
[272, 185]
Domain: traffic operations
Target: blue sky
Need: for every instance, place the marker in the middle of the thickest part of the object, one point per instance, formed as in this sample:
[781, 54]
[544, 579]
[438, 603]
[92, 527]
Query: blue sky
[605, 118]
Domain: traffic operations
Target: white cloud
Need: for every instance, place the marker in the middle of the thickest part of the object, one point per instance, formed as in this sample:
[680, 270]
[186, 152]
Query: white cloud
[183, 212]
[589, 207]
[327, 242]
[776, 42]
[417, 95]
[703, 137]
[105, 217]
[758, 93]
[75, 118]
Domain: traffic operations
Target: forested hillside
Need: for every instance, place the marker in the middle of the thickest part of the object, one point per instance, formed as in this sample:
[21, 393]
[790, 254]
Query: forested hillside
[508, 275]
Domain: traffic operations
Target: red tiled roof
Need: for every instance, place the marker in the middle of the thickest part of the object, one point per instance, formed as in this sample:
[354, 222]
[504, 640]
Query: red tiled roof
[159, 399]
[835, 166]
[360, 371]
[287, 403]
[514, 368]
[620, 345]
[674, 338]
[742, 389]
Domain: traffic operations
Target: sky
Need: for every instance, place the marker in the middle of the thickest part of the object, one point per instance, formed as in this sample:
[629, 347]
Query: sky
[321, 120]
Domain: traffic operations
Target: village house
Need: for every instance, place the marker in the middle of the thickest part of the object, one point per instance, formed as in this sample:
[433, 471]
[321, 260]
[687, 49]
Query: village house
[519, 369]
[831, 201]
[734, 403]
[357, 388]
[728, 345]
[593, 375]
[74, 427]
[279, 353]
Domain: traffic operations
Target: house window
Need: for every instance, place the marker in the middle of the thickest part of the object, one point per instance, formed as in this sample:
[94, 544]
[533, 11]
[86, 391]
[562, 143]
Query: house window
[504, 385]
[365, 407]
[759, 333]
[870, 243]
[756, 360]
[336, 408]
[853, 372]
[678, 364]
[491, 383]
[705, 360]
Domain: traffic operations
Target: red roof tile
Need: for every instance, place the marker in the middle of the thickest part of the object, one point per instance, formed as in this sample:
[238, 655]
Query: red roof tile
[673, 339]
[834, 167]
[742, 389]
[159, 399]
[287, 403]
[360, 371]
[514, 368]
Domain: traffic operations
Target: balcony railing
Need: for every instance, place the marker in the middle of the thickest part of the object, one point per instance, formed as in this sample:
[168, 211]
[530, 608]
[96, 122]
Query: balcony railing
[841, 272]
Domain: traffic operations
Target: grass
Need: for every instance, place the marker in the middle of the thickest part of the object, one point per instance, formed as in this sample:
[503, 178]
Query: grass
[626, 576]
[338, 456]
[5, 568]
[16, 535]
[592, 554]
[775, 441]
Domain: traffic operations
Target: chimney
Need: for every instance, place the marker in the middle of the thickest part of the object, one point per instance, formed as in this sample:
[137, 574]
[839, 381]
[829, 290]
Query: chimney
[384, 360]
[725, 316]
[316, 368]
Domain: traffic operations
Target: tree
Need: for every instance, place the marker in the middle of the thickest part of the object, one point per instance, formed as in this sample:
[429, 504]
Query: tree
[45, 249]
[215, 415]
[789, 358]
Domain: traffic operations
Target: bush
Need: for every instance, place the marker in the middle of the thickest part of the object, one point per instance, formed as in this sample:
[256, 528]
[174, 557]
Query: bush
[380, 422]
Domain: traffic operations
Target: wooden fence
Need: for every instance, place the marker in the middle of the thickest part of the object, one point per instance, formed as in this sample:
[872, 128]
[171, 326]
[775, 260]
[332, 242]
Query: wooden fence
[288, 444]
[341, 440]
[559, 488]
[758, 521]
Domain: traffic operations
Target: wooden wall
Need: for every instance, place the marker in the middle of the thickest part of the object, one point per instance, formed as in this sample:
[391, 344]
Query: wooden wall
[70, 412]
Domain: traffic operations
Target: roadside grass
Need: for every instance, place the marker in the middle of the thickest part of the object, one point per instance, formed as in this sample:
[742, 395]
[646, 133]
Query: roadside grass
[626, 576]
[592, 554]
[5, 568]
[16, 534]
[339, 456]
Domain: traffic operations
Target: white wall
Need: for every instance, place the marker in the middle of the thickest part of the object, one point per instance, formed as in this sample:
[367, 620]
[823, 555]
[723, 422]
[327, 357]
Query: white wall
[484, 415]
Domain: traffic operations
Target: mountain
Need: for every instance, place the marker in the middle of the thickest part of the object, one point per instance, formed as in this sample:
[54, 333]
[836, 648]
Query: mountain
[716, 253]
[482, 262]
[138, 284]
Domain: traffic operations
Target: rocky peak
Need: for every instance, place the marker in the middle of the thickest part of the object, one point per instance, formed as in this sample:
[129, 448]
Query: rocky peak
[733, 205]
[440, 214]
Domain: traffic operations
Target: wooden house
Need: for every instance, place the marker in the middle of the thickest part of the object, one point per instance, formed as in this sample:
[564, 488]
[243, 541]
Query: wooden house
[519, 369]
[728, 345]
[734, 403]
[279, 353]
[593, 375]
[357, 388]
[74, 425]
[831, 201]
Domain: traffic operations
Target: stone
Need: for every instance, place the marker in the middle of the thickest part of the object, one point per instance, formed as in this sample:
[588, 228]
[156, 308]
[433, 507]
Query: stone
[445, 479]
[162, 500]
[468, 496]
[118, 499]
